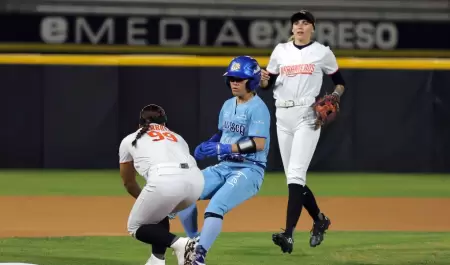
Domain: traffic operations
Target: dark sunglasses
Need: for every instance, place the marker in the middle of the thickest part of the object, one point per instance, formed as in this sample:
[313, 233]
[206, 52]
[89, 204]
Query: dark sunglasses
[235, 79]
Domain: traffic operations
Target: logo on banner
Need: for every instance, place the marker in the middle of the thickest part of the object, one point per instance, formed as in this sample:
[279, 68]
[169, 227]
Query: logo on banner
[169, 31]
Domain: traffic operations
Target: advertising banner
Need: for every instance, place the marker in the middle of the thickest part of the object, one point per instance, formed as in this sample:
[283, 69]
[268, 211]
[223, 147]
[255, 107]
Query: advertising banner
[210, 35]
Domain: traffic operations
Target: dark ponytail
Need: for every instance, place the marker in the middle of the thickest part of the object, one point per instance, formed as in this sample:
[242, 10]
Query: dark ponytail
[149, 114]
[143, 131]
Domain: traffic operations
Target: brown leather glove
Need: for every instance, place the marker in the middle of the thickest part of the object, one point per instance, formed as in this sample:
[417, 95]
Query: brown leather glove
[326, 109]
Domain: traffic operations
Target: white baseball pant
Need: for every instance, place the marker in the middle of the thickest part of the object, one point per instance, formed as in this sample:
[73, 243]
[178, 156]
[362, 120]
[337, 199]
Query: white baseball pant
[297, 140]
[169, 189]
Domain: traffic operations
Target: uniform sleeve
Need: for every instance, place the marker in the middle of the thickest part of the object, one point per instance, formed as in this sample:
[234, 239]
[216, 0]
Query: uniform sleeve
[260, 122]
[124, 154]
[329, 64]
[273, 65]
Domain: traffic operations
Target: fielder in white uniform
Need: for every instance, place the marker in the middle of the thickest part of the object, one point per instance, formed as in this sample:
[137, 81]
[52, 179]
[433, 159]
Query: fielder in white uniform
[173, 182]
[295, 72]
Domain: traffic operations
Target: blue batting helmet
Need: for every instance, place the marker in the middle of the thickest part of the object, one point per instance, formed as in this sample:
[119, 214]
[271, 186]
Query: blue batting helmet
[244, 67]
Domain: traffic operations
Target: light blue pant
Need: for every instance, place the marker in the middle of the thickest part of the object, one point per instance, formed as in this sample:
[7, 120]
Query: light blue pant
[228, 186]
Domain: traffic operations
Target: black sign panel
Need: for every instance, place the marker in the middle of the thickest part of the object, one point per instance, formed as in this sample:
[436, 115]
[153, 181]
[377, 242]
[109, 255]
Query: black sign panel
[214, 32]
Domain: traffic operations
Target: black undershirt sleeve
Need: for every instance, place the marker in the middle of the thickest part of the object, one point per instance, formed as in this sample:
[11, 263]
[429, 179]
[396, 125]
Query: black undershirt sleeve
[273, 78]
[337, 78]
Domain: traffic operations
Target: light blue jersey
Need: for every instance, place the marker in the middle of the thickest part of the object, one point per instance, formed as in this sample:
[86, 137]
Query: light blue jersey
[242, 121]
[237, 177]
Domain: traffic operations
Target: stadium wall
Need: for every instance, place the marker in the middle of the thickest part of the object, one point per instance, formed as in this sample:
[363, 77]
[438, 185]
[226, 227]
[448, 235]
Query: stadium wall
[72, 111]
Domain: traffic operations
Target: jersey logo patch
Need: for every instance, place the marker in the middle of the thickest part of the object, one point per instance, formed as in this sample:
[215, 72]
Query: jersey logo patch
[298, 69]
[233, 127]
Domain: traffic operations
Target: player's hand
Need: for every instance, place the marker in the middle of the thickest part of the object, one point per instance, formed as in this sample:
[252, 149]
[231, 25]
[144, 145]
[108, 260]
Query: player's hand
[215, 148]
[199, 154]
[265, 75]
[264, 83]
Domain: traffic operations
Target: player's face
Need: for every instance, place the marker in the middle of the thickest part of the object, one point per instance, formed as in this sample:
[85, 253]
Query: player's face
[238, 86]
[302, 30]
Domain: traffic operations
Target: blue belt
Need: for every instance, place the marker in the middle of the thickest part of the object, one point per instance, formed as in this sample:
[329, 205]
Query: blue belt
[243, 160]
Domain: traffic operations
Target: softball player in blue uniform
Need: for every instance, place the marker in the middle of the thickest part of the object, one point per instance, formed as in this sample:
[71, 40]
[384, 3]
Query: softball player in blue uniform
[241, 145]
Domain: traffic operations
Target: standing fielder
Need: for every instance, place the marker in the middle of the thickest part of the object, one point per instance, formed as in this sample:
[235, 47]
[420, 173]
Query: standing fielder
[241, 145]
[295, 71]
[173, 179]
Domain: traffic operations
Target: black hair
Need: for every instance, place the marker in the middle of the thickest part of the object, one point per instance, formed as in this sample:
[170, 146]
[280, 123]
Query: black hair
[149, 114]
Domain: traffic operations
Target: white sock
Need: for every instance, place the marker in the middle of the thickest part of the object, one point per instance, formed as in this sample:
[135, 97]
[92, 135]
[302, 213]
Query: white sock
[180, 244]
[153, 260]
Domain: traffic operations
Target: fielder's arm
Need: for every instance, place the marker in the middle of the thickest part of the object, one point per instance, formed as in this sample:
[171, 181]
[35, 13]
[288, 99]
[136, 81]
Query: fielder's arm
[339, 83]
[128, 175]
[270, 74]
[267, 79]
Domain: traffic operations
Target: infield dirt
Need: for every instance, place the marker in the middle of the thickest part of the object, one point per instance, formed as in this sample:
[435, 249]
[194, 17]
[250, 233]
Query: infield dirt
[91, 216]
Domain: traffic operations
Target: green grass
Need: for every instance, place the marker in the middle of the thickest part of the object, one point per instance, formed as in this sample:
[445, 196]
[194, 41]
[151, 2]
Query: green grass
[339, 248]
[108, 182]
[349, 248]
[365, 185]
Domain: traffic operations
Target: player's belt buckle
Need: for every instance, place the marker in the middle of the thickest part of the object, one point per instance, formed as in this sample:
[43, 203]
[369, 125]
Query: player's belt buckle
[289, 103]
[184, 165]
[236, 159]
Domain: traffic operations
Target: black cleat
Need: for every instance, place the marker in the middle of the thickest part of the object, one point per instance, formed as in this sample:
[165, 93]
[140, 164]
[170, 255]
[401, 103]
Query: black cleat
[284, 241]
[318, 231]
